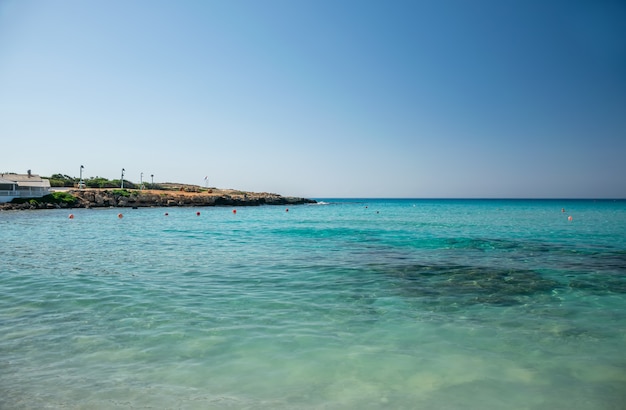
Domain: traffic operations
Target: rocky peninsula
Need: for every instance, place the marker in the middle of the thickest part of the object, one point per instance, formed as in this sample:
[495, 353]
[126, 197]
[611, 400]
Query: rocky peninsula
[136, 198]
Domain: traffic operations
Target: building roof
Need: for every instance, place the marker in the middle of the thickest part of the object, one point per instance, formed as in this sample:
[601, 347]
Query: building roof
[21, 177]
[26, 180]
[41, 183]
[6, 181]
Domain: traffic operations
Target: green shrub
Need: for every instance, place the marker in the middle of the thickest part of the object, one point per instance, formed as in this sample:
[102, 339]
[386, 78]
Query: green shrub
[121, 192]
[53, 198]
[59, 180]
[59, 198]
[56, 182]
[96, 182]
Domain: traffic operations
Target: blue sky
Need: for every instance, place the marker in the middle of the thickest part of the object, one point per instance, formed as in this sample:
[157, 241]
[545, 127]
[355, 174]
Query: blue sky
[321, 98]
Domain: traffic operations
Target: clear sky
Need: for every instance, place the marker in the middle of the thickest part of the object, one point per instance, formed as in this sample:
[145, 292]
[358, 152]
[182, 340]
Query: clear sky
[321, 98]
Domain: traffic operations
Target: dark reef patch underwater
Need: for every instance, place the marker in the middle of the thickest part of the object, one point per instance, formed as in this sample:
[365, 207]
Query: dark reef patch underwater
[468, 285]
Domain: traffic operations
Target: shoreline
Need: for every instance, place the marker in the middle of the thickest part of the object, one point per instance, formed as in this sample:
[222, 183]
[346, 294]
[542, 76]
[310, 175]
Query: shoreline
[135, 198]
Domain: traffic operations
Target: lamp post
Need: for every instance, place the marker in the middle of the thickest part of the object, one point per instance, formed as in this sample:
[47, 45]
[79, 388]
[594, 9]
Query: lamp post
[141, 181]
[81, 183]
[152, 183]
[123, 178]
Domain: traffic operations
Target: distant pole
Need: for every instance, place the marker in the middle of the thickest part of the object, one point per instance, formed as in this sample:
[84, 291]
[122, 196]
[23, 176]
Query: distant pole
[81, 184]
[152, 183]
[206, 181]
[123, 178]
[141, 181]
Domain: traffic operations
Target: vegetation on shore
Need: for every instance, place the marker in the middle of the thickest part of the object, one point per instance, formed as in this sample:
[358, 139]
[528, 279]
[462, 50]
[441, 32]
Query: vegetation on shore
[66, 181]
[61, 180]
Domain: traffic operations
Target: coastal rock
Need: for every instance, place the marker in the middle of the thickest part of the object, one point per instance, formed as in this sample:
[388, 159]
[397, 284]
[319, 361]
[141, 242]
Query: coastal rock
[99, 198]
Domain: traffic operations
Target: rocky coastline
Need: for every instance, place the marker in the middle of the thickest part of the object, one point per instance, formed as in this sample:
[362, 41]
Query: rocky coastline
[134, 198]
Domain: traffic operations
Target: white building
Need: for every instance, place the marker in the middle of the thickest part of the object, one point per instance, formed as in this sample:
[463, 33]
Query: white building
[22, 186]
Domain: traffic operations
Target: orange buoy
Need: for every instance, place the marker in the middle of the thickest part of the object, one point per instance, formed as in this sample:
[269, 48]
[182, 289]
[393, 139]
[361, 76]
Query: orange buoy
[71, 216]
[198, 213]
[120, 216]
[569, 218]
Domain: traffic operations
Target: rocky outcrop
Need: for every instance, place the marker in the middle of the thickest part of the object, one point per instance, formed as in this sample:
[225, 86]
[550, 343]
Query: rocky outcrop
[100, 198]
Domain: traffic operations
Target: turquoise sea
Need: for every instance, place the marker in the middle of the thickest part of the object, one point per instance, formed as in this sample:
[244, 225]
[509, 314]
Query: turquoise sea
[347, 304]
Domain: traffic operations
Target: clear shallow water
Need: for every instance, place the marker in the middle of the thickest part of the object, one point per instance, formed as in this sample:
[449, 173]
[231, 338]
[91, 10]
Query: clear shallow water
[415, 304]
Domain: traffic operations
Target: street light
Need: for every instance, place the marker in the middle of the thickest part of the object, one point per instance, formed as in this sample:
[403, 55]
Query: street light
[123, 178]
[152, 183]
[141, 181]
[81, 184]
